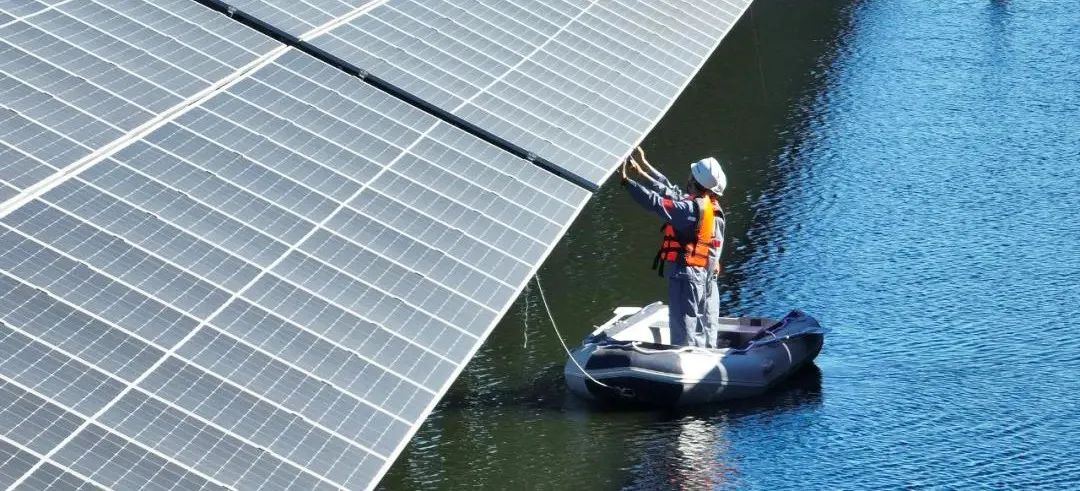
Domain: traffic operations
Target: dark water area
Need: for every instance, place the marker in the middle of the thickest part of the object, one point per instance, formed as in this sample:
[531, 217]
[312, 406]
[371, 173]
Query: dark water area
[908, 172]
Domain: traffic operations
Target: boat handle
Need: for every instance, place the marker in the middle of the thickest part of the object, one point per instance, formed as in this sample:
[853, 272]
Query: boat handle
[647, 351]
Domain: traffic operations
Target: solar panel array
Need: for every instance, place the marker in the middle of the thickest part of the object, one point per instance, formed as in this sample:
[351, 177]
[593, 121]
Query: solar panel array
[226, 263]
[79, 75]
[576, 82]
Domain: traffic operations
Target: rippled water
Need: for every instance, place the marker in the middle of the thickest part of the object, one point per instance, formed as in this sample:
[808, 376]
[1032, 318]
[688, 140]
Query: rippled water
[906, 170]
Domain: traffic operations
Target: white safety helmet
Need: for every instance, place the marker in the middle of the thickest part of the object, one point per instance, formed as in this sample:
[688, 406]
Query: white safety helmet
[708, 173]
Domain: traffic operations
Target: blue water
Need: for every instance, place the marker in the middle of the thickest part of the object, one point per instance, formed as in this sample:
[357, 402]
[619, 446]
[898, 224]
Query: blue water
[908, 172]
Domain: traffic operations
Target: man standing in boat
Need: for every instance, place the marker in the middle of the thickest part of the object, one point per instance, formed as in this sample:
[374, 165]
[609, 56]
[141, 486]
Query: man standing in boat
[689, 256]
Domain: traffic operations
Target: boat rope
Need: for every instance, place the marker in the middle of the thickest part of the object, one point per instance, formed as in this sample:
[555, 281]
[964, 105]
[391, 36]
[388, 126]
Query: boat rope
[525, 320]
[563, 343]
[757, 52]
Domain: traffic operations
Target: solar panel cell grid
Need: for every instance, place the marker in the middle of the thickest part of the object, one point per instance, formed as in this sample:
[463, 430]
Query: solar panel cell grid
[23, 8]
[81, 286]
[19, 168]
[118, 259]
[7, 192]
[49, 476]
[55, 375]
[108, 459]
[80, 75]
[34, 422]
[227, 407]
[39, 315]
[13, 463]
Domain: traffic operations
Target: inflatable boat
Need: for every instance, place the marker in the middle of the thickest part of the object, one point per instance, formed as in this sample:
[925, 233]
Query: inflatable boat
[631, 359]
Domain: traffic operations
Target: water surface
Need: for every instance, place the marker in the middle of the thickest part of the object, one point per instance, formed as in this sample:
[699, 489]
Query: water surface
[908, 172]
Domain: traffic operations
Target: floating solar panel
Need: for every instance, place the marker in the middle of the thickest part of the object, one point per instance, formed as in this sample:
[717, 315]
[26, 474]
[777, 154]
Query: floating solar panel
[270, 291]
[577, 83]
[79, 75]
[229, 264]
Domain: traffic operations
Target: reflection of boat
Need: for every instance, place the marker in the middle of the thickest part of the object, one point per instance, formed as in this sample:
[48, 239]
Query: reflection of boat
[630, 357]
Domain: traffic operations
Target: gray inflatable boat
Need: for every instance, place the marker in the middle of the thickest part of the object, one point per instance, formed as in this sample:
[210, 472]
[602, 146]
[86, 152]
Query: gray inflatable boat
[630, 356]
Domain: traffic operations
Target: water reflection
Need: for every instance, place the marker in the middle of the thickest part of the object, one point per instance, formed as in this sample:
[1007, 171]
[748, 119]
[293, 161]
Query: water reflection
[691, 448]
[686, 454]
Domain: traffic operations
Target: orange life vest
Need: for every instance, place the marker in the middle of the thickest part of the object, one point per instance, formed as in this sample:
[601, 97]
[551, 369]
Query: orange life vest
[696, 252]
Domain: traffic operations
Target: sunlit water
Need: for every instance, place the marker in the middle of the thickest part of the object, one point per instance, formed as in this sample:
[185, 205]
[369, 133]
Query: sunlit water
[908, 171]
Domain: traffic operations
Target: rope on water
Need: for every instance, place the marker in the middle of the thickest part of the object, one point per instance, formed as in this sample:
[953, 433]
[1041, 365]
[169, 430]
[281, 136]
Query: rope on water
[757, 51]
[559, 335]
[525, 320]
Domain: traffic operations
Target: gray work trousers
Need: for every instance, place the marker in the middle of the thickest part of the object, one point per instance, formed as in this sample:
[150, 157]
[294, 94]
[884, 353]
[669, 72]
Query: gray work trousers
[693, 308]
